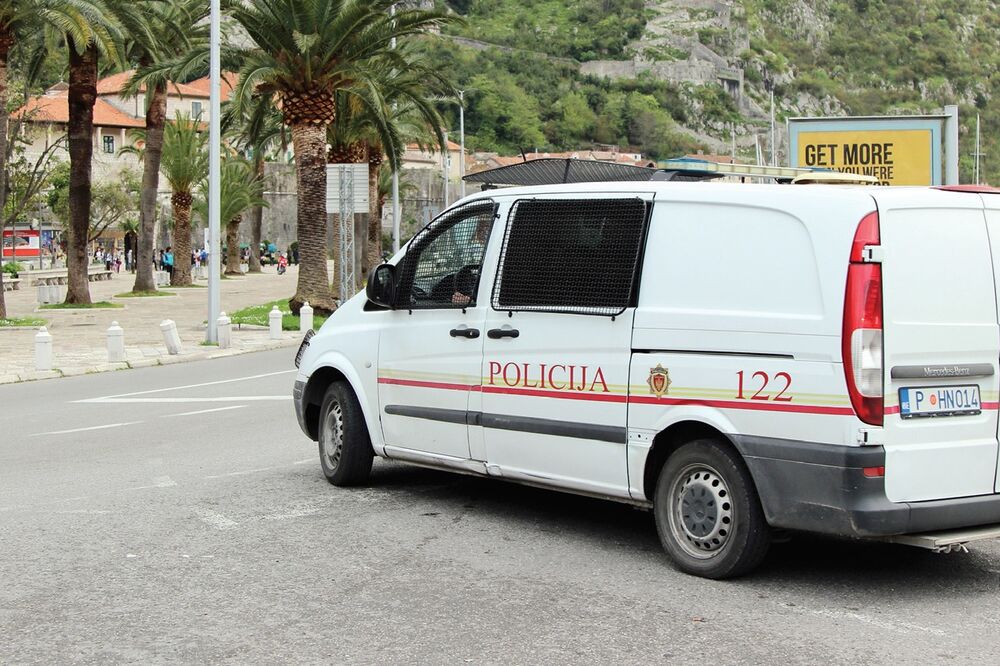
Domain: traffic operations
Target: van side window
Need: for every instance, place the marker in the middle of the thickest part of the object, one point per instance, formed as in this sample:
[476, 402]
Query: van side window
[571, 255]
[441, 269]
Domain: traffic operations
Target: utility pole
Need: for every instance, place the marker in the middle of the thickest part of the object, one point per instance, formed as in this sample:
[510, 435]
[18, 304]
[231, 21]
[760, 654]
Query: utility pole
[214, 140]
[773, 132]
[977, 172]
[395, 176]
[444, 163]
[461, 134]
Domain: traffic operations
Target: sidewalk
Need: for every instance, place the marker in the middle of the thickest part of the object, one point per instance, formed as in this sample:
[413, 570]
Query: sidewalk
[79, 342]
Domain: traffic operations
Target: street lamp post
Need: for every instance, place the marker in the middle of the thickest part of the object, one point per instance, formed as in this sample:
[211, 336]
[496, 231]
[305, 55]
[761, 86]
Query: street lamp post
[461, 139]
[214, 139]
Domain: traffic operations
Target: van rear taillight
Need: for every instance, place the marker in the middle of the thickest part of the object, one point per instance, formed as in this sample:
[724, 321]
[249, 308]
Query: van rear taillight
[862, 335]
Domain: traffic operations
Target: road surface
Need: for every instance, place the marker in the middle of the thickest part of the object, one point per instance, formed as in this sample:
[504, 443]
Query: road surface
[177, 515]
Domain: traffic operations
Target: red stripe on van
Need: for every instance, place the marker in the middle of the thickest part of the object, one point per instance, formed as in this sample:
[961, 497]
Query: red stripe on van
[432, 385]
[745, 404]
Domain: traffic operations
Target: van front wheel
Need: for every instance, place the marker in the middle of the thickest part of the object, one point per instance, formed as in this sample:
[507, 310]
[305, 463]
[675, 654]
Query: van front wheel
[345, 449]
[707, 512]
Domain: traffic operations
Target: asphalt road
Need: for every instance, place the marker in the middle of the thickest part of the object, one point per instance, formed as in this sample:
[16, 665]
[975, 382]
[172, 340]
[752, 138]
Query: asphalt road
[188, 522]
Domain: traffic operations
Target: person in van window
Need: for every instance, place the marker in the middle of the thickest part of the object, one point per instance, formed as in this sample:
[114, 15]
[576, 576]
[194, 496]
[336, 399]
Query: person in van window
[465, 280]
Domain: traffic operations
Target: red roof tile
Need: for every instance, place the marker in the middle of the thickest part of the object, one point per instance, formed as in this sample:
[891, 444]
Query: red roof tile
[113, 85]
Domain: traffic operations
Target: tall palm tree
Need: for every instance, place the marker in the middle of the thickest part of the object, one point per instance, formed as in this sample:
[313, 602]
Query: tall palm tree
[100, 34]
[303, 52]
[184, 164]
[240, 191]
[156, 37]
[88, 27]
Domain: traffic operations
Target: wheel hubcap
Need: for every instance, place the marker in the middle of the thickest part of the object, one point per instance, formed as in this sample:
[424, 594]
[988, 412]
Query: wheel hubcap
[333, 435]
[701, 516]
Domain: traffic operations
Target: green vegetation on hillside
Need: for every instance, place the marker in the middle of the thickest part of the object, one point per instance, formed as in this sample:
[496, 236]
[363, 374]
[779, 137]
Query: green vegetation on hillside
[515, 101]
[580, 29]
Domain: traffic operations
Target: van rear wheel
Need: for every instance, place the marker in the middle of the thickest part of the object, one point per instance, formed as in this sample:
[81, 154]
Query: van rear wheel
[707, 512]
[345, 449]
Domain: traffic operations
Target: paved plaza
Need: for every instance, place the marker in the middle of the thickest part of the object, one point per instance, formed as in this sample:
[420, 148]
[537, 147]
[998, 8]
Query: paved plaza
[79, 337]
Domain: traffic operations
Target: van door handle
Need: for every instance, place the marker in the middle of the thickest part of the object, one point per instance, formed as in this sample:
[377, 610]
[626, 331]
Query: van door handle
[465, 332]
[497, 333]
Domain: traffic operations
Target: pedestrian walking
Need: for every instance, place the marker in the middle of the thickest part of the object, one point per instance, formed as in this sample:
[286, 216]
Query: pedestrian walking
[168, 261]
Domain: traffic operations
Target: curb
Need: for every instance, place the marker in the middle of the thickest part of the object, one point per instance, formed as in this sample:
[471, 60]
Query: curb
[76, 371]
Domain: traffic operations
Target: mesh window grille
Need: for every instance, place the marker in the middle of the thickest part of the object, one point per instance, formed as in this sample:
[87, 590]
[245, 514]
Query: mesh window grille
[442, 266]
[577, 256]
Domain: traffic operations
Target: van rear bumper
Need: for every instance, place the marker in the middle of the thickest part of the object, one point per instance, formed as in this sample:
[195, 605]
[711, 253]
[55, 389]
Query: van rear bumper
[821, 488]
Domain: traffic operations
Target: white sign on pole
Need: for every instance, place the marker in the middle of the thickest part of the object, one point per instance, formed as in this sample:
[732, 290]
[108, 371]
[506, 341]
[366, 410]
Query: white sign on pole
[359, 180]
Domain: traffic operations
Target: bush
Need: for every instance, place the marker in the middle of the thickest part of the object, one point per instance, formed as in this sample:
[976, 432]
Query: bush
[13, 268]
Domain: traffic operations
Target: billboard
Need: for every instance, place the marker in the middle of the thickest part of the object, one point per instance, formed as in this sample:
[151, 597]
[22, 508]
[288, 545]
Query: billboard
[901, 150]
[21, 243]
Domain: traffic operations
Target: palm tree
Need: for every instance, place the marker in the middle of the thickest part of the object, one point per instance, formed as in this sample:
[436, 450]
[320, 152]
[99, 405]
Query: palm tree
[157, 36]
[303, 52]
[396, 107]
[99, 34]
[240, 191]
[87, 27]
[257, 130]
[184, 164]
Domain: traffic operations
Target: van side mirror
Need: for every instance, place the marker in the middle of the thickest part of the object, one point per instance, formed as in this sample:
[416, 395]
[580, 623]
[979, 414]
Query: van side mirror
[381, 287]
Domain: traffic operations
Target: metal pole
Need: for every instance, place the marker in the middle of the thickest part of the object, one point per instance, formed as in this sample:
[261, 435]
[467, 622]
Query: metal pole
[214, 140]
[395, 180]
[461, 134]
[444, 162]
[977, 149]
[951, 145]
[773, 162]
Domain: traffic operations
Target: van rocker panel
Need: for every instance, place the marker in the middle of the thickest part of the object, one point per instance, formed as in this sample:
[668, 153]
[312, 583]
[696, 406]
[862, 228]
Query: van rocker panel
[822, 488]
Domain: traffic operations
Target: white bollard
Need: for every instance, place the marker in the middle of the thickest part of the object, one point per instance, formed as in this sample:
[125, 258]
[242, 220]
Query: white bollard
[116, 343]
[305, 317]
[224, 326]
[274, 323]
[170, 336]
[43, 349]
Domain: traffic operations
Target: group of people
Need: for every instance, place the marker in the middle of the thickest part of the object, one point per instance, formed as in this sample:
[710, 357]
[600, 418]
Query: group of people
[113, 259]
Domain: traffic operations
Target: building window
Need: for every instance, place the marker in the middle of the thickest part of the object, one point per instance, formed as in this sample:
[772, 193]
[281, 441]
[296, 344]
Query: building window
[571, 255]
[195, 109]
[109, 144]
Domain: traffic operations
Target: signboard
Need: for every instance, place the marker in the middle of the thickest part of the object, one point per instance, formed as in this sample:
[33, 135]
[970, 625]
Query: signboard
[20, 243]
[347, 180]
[902, 150]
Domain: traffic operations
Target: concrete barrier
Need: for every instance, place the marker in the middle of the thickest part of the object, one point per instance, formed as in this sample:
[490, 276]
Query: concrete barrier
[305, 317]
[170, 336]
[43, 349]
[224, 328]
[274, 323]
[116, 343]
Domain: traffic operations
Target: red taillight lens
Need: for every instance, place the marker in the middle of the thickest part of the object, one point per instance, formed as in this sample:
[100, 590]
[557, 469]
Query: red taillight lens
[862, 334]
[873, 472]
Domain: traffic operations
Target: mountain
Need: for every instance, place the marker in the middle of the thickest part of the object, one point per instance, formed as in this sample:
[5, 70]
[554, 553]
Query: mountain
[672, 76]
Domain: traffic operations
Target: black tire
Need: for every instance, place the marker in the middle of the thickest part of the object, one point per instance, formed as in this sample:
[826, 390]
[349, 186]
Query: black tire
[345, 449]
[707, 511]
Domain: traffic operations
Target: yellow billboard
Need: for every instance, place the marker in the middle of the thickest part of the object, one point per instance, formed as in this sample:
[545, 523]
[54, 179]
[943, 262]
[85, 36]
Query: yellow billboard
[894, 157]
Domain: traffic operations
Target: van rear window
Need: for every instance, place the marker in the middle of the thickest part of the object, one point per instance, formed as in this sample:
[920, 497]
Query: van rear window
[571, 255]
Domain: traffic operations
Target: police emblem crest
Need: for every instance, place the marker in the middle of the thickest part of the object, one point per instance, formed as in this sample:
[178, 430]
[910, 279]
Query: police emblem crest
[659, 380]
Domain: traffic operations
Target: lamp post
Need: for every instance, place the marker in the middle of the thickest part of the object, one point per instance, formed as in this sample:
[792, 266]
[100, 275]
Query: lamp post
[214, 139]
[461, 140]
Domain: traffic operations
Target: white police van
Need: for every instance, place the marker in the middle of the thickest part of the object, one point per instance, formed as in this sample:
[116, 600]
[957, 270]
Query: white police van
[738, 358]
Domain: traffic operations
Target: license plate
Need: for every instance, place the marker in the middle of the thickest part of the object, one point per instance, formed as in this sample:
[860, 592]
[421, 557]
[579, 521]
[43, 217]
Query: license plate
[939, 401]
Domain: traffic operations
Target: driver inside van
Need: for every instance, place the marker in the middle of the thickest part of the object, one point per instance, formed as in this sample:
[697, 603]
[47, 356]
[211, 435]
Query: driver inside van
[465, 279]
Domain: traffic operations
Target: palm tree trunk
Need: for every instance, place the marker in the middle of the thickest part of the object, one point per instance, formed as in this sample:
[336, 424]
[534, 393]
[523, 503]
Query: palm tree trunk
[256, 218]
[156, 115]
[309, 140]
[181, 202]
[82, 95]
[6, 41]
[374, 245]
[233, 246]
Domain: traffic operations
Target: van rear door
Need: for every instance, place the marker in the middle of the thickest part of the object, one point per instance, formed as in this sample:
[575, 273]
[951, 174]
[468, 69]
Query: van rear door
[941, 344]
